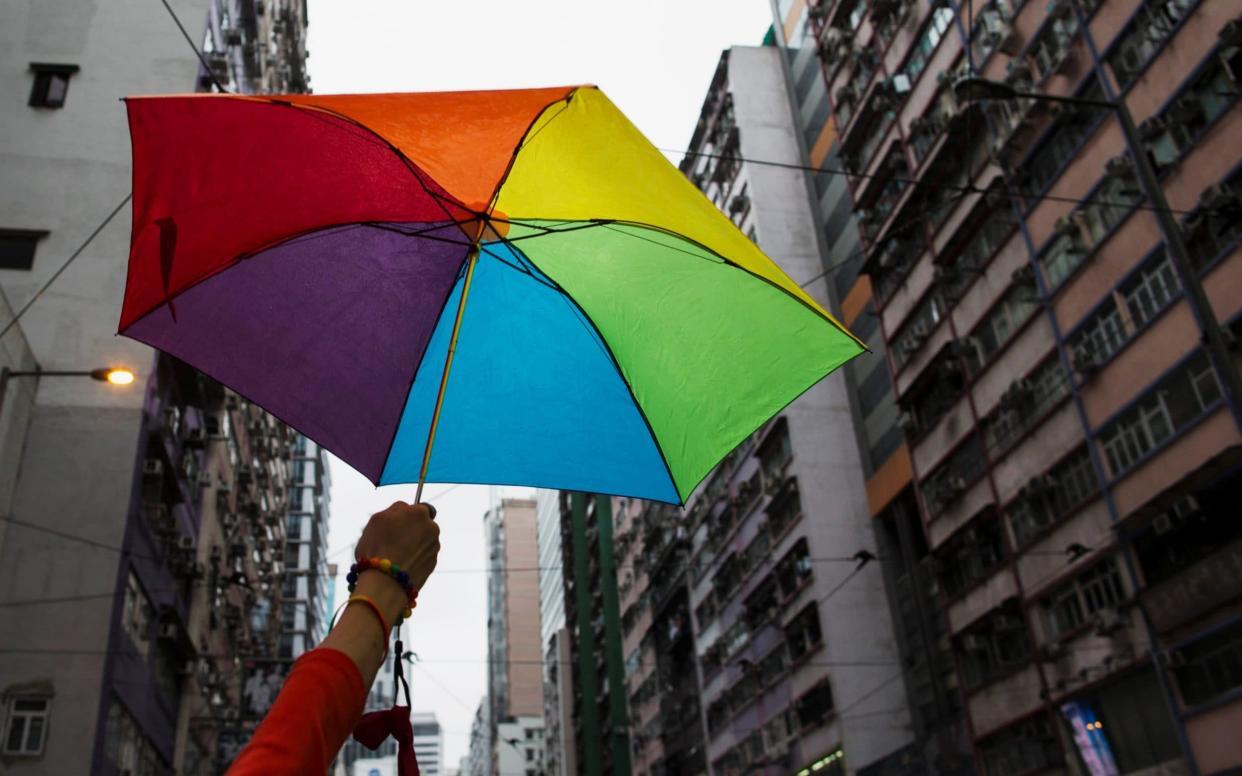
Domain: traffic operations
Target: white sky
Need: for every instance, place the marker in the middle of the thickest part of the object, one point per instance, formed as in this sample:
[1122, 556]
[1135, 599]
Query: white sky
[655, 60]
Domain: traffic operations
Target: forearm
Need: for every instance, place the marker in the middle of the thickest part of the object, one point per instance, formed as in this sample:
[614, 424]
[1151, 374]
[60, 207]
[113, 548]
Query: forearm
[358, 633]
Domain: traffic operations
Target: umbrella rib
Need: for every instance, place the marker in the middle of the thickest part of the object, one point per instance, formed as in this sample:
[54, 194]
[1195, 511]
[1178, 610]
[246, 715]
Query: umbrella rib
[405, 160]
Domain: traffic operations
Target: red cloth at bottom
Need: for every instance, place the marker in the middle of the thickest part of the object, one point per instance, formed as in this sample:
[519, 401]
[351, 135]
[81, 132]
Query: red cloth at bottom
[377, 726]
[316, 710]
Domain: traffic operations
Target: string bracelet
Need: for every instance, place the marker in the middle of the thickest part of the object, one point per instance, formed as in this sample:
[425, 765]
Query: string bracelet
[374, 607]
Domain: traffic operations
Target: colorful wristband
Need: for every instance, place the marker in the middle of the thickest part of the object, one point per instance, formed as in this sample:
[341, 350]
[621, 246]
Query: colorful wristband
[386, 566]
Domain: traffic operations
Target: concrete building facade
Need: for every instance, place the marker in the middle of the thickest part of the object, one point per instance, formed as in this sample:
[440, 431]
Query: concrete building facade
[305, 608]
[515, 676]
[558, 725]
[798, 661]
[940, 738]
[1068, 442]
[151, 516]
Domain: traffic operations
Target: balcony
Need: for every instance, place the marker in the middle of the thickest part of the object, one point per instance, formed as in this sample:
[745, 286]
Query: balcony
[1195, 591]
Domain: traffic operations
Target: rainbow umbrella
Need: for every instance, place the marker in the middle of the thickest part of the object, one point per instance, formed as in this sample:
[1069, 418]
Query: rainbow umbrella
[506, 287]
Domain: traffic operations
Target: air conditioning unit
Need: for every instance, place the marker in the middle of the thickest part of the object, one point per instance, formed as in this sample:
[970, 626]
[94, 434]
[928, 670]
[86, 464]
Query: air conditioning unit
[1059, 8]
[196, 437]
[218, 61]
[1119, 166]
[738, 204]
[999, 33]
[946, 273]
[1153, 126]
[1162, 524]
[1023, 276]
[168, 631]
[973, 642]
[1006, 622]
[153, 468]
[1108, 621]
[1018, 72]
[908, 423]
[1066, 225]
[1219, 197]
[1052, 651]
[1085, 360]
[1185, 506]
[185, 543]
[819, 10]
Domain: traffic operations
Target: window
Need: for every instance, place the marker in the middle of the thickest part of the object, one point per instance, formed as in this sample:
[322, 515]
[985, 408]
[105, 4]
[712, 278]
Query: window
[921, 51]
[127, 747]
[1195, 527]
[1204, 100]
[803, 634]
[51, 84]
[1135, 303]
[1048, 498]
[1172, 404]
[17, 247]
[993, 29]
[27, 726]
[1216, 227]
[784, 509]
[918, 327]
[136, 614]
[1150, 27]
[1073, 603]
[1212, 666]
[814, 707]
[780, 728]
[1026, 402]
[1052, 45]
[977, 552]
[1001, 322]
[993, 648]
[1021, 748]
[950, 481]
[793, 570]
[1061, 143]
[776, 451]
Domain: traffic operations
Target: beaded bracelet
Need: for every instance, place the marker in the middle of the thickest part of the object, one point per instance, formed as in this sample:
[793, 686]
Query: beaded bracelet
[391, 569]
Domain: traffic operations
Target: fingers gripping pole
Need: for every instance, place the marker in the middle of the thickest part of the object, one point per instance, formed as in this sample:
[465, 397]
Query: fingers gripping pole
[471, 260]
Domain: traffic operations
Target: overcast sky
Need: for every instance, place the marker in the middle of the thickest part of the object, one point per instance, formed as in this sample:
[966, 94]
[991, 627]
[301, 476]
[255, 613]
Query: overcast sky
[655, 59]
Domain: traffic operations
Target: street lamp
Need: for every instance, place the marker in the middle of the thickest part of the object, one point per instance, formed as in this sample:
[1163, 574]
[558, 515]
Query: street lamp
[973, 88]
[113, 375]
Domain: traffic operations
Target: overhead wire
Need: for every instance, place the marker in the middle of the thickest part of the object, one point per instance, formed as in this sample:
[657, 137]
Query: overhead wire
[963, 188]
[198, 53]
[72, 257]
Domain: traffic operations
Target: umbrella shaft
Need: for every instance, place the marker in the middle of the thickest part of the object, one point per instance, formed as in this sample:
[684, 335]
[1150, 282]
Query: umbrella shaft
[471, 260]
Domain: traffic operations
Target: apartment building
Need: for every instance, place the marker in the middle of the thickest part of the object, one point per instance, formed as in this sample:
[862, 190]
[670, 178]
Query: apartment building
[558, 724]
[798, 663]
[940, 739]
[1069, 445]
[593, 666]
[146, 522]
[515, 694]
[305, 609]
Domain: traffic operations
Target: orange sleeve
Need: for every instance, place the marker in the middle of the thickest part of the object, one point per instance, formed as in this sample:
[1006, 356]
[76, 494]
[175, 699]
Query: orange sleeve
[312, 717]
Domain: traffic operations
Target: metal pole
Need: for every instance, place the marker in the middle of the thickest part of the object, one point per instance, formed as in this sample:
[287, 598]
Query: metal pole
[1196, 297]
[471, 260]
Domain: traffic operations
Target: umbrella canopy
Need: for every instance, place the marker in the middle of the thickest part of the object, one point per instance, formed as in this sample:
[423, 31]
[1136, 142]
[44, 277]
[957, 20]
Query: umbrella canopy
[519, 276]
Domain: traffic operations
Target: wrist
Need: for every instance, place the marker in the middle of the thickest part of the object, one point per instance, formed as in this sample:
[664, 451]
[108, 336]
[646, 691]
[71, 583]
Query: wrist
[385, 591]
